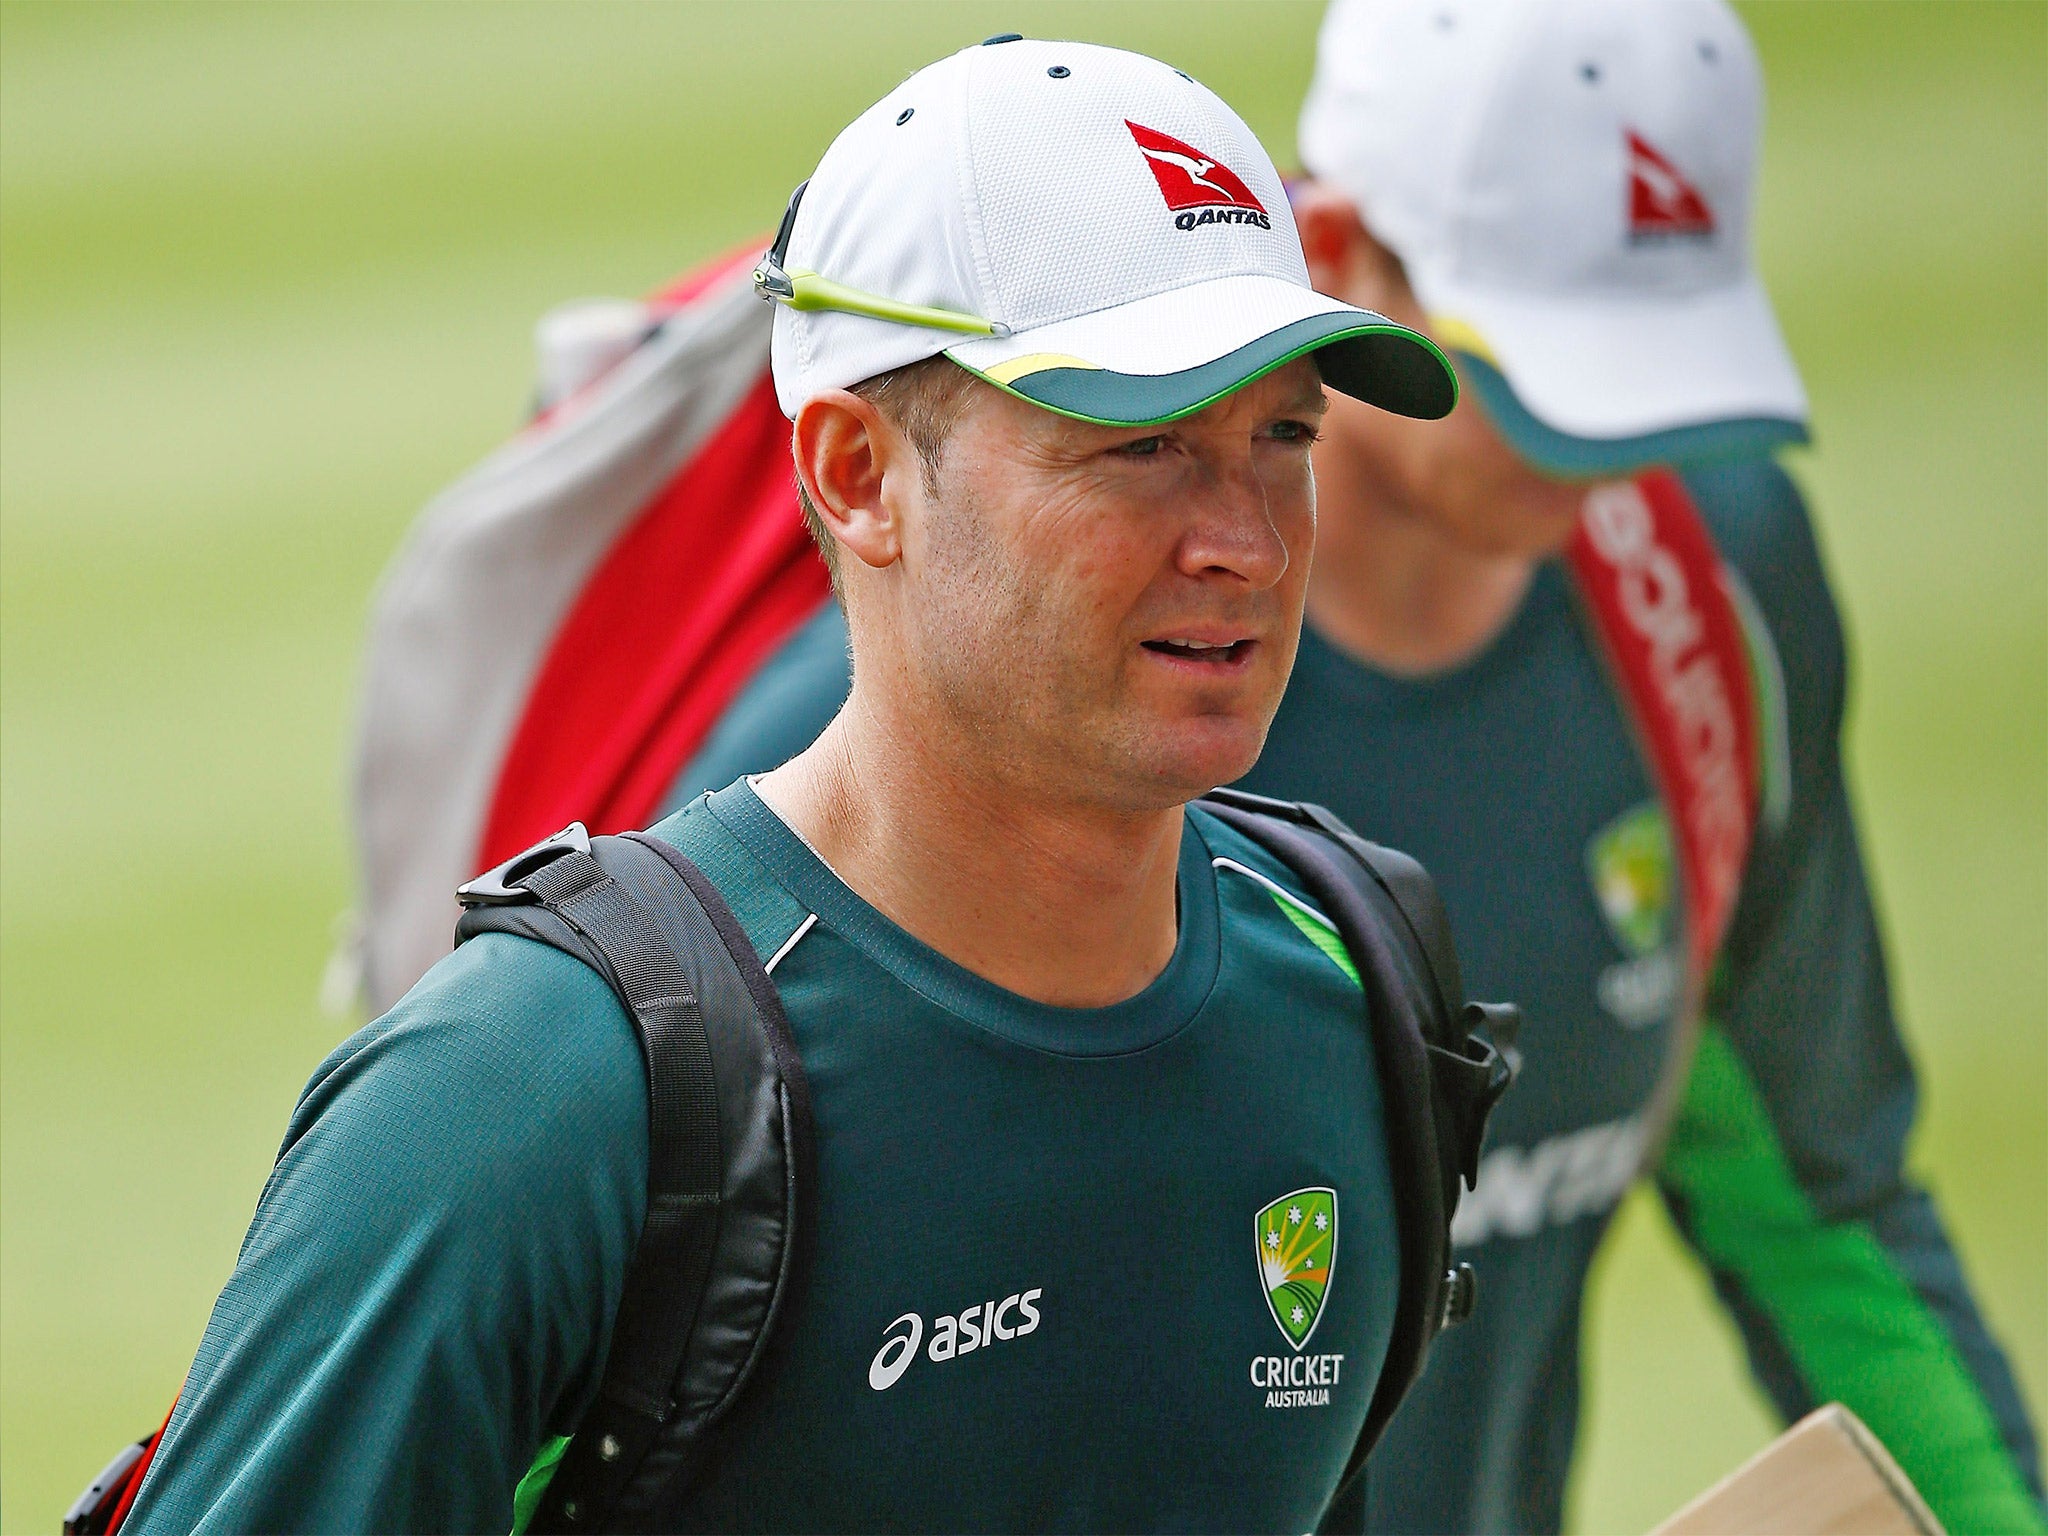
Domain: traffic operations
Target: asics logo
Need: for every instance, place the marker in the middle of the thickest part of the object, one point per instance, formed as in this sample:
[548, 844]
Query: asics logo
[953, 1335]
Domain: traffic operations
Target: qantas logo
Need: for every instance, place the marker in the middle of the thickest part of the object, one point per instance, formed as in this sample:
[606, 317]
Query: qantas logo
[1199, 188]
[1662, 204]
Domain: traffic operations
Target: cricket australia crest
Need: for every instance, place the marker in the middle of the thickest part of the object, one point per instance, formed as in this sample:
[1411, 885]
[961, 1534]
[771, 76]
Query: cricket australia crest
[1635, 877]
[1297, 1239]
[1633, 874]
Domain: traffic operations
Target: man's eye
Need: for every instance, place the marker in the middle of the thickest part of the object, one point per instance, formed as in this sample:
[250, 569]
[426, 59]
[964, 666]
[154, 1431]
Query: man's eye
[1296, 432]
[1140, 448]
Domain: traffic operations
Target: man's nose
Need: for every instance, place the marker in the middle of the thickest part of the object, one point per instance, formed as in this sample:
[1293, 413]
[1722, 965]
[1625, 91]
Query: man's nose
[1234, 519]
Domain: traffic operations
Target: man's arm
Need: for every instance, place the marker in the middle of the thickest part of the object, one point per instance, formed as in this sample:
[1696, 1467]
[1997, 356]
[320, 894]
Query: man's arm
[425, 1295]
[1785, 1169]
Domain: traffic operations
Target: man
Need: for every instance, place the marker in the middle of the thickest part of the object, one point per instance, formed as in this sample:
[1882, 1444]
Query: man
[1561, 193]
[1056, 1026]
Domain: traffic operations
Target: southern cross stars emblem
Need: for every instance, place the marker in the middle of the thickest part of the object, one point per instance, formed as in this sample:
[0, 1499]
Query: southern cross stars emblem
[1297, 1248]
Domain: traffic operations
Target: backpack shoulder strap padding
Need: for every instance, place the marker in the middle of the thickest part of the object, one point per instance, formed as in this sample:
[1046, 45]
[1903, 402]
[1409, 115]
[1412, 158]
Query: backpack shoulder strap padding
[729, 1154]
[1439, 1079]
[1406, 883]
[1469, 1042]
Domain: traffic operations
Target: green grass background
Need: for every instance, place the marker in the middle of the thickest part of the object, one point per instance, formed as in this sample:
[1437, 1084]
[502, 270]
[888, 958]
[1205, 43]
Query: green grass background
[266, 278]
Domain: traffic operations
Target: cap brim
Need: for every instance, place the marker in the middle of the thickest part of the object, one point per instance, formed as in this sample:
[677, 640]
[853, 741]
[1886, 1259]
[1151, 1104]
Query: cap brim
[1617, 373]
[1157, 359]
[1575, 458]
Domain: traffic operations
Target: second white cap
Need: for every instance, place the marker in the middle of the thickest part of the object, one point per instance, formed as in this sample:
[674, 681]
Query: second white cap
[1569, 185]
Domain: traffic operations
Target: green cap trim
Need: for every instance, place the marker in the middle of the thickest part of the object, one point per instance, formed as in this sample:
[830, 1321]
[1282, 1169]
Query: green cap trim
[1559, 454]
[1376, 361]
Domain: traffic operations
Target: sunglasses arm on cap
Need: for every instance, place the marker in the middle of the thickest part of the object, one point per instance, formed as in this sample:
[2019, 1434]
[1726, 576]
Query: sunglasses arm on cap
[803, 290]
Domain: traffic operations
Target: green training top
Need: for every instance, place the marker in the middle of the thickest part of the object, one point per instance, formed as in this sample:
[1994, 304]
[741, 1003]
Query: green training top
[1123, 1268]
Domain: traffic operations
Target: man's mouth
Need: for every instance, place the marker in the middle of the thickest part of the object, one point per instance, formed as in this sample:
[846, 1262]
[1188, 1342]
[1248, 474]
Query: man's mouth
[1220, 654]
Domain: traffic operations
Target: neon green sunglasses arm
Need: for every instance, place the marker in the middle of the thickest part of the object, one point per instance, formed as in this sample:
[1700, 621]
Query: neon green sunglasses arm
[807, 290]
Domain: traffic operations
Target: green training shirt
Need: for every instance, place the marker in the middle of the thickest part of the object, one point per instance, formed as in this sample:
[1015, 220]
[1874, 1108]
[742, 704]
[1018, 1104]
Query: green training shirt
[1122, 1268]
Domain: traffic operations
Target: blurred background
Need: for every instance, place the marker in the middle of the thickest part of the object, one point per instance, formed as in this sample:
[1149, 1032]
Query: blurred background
[267, 280]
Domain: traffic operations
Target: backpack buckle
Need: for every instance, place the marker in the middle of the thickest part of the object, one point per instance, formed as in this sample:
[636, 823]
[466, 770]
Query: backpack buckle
[1461, 1294]
[500, 887]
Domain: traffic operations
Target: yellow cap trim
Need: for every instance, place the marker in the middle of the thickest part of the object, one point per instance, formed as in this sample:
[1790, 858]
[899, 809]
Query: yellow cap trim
[1033, 362]
[1461, 336]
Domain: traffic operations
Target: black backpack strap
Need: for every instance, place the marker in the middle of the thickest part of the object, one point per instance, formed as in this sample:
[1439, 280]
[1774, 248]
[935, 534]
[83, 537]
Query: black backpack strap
[729, 1155]
[1440, 1075]
[1469, 1043]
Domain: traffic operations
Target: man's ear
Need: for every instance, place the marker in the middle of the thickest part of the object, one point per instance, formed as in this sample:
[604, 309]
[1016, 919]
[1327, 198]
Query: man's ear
[1331, 235]
[1345, 260]
[851, 461]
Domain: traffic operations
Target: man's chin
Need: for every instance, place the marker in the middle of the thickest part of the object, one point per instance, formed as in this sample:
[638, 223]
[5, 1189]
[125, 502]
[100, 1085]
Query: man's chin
[1515, 531]
[1186, 761]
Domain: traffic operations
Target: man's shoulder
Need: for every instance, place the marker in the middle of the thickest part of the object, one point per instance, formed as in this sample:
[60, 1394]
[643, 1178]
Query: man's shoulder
[1269, 885]
[1227, 847]
[507, 1054]
[722, 834]
[1761, 526]
[502, 995]
[1760, 523]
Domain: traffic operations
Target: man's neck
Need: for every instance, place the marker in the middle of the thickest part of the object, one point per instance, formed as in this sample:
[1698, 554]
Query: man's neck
[1397, 589]
[1064, 904]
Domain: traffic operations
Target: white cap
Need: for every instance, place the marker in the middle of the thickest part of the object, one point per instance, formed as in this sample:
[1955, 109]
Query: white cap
[1085, 228]
[1569, 185]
